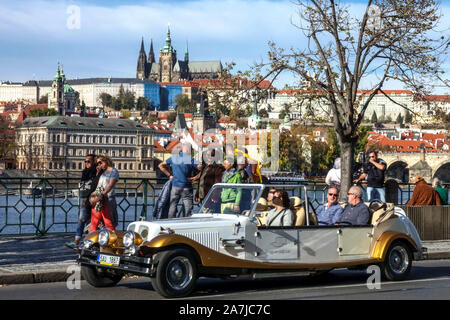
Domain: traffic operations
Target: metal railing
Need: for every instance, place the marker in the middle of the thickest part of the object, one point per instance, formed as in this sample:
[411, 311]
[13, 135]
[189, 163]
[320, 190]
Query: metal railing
[40, 206]
[52, 205]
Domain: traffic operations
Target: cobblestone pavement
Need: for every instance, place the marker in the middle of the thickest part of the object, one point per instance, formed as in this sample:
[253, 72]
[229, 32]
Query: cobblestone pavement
[47, 259]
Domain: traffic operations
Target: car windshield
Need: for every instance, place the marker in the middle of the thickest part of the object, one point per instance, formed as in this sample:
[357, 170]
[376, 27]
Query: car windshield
[229, 199]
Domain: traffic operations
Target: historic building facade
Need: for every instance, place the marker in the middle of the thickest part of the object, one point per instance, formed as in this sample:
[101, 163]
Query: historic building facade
[61, 143]
[170, 69]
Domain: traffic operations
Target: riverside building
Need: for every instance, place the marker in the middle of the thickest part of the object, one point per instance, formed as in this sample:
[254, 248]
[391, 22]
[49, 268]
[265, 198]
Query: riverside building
[61, 143]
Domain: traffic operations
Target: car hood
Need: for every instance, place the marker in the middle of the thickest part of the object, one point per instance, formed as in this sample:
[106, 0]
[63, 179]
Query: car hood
[197, 223]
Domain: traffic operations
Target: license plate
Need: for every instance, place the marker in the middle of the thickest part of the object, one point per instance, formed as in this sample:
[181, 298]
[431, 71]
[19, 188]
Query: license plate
[108, 260]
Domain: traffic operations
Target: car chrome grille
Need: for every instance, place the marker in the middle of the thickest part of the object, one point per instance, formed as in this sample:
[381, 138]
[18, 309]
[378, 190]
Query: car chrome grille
[208, 239]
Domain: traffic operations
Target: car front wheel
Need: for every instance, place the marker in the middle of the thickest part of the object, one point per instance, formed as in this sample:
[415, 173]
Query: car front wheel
[398, 262]
[99, 278]
[176, 273]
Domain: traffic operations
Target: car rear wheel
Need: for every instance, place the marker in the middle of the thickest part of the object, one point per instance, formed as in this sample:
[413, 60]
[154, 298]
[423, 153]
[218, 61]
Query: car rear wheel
[398, 262]
[99, 278]
[176, 273]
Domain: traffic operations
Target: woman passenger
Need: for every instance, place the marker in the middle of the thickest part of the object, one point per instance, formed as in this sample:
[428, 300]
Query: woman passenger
[281, 215]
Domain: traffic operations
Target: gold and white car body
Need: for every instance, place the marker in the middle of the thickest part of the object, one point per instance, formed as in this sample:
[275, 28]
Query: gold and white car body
[229, 245]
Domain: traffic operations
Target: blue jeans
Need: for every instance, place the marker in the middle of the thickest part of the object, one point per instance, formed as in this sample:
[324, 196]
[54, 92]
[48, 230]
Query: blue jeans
[376, 193]
[85, 216]
[186, 195]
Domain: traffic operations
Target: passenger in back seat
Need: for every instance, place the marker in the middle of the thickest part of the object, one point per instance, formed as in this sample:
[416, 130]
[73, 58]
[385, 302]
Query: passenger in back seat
[356, 213]
[330, 212]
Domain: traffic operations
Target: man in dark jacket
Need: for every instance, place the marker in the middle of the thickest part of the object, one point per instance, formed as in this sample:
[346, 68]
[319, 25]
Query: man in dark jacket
[374, 172]
[86, 187]
[356, 212]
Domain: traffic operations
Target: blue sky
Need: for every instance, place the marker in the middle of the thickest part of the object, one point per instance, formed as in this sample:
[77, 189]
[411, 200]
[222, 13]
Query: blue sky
[35, 34]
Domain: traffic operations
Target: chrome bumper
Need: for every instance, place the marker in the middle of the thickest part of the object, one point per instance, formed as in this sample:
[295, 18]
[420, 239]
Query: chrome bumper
[128, 264]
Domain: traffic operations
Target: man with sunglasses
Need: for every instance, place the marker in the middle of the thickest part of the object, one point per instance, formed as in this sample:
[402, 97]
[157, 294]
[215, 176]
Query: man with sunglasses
[374, 171]
[330, 212]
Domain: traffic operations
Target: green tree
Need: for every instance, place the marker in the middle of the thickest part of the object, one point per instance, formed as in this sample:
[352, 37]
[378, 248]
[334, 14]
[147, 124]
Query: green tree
[43, 99]
[105, 99]
[129, 100]
[408, 117]
[171, 117]
[374, 118]
[184, 104]
[286, 110]
[399, 119]
[143, 103]
[43, 112]
[116, 104]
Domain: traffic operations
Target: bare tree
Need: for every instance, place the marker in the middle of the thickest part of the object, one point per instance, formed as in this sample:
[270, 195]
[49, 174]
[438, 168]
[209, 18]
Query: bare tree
[391, 40]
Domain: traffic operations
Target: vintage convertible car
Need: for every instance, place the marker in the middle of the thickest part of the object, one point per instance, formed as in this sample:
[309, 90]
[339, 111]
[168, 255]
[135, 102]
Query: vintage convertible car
[174, 253]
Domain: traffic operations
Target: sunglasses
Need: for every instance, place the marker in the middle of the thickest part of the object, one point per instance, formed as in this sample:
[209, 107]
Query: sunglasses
[333, 194]
[99, 162]
[350, 194]
[87, 161]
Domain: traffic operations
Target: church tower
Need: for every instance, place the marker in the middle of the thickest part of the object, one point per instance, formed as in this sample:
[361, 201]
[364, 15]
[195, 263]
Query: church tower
[56, 96]
[202, 120]
[167, 59]
[141, 71]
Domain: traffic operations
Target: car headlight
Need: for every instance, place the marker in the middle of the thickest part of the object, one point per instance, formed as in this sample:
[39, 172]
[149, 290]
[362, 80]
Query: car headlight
[128, 239]
[103, 237]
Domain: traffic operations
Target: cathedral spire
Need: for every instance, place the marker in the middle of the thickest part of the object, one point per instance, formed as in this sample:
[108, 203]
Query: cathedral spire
[168, 46]
[142, 46]
[141, 71]
[186, 54]
[151, 54]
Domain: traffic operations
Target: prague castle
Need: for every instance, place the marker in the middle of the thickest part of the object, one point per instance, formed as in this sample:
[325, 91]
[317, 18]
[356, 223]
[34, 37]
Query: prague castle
[170, 69]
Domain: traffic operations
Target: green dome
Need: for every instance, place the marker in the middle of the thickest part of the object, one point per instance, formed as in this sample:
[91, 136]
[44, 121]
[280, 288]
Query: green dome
[68, 89]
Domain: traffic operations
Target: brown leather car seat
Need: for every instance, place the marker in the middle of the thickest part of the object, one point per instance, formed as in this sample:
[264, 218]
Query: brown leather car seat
[298, 207]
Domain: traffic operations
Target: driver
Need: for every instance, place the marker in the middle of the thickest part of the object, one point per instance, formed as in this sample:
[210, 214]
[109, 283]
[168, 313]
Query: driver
[356, 213]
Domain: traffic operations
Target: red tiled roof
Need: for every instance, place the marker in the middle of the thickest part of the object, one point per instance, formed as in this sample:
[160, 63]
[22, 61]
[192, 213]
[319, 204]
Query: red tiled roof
[232, 83]
[158, 147]
[401, 145]
[172, 145]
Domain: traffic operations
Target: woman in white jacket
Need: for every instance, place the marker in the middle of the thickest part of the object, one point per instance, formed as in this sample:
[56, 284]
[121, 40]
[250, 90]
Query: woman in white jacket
[334, 175]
